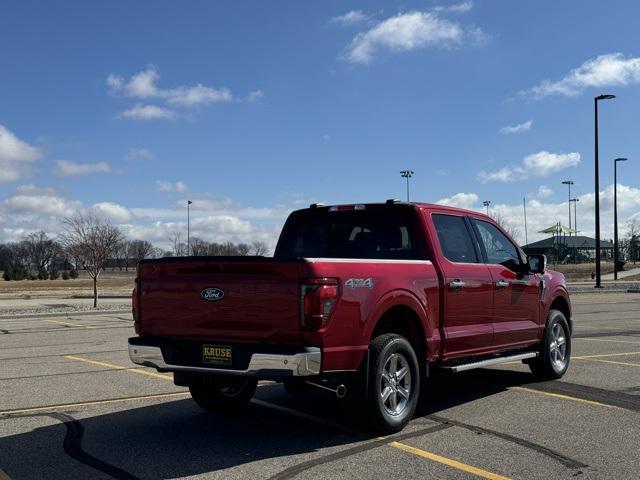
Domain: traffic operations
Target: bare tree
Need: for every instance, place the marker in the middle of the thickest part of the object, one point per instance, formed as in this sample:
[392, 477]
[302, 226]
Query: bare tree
[198, 246]
[121, 255]
[18, 255]
[243, 249]
[179, 247]
[631, 243]
[93, 240]
[514, 232]
[139, 250]
[40, 249]
[259, 248]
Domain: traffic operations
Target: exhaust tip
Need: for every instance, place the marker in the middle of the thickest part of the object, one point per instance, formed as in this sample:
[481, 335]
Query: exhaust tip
[341, 391]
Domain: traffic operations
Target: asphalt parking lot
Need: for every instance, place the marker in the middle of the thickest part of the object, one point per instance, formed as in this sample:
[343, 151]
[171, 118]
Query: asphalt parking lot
[73, 406]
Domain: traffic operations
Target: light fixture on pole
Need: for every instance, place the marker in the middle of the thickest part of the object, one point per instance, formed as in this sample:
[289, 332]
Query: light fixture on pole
[597, 186]
[189, 202]
[486, 204]
[407, 174]
[615, 216]
[569, 183]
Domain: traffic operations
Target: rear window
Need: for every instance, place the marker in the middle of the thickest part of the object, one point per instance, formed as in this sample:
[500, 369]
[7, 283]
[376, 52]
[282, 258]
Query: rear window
[376, 233]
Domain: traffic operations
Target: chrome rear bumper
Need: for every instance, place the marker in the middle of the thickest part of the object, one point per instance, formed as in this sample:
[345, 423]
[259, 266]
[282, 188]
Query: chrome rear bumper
[269, 364]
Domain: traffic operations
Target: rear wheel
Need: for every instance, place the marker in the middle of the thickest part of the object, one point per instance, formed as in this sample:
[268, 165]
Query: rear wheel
[224, 394]
[555, 350]
[394, 382]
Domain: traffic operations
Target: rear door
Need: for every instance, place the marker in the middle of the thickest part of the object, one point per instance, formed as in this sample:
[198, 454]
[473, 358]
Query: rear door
[516, 294]
[468, 288]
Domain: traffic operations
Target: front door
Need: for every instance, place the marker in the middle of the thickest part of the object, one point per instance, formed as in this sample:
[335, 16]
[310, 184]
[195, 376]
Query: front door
[468, 289]
[516, 298]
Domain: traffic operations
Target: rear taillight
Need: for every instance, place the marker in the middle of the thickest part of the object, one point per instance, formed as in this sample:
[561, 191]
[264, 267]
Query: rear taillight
[318, 298]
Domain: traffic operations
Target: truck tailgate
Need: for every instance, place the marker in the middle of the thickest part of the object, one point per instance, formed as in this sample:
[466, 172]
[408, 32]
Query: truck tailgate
[230, 298]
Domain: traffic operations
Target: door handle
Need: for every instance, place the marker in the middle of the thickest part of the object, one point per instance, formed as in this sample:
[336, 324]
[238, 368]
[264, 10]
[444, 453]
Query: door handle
[456, 284]
[502, 284]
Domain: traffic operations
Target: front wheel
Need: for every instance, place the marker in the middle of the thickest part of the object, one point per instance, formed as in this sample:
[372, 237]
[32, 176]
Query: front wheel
[555, 350]
[224, 394]
[394, 382]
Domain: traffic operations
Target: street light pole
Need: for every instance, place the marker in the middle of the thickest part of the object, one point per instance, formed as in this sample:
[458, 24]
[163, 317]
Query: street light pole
[597, 187]
[486, 203]
[189, 202]
[575, 227]
[569, 183]
[407, 174]
[524, 207]
[615, 216]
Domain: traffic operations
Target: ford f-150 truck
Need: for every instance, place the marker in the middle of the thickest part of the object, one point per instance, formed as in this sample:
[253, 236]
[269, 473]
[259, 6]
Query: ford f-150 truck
[363, 300]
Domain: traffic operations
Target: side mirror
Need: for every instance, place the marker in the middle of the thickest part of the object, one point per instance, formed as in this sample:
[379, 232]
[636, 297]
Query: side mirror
[537, 263]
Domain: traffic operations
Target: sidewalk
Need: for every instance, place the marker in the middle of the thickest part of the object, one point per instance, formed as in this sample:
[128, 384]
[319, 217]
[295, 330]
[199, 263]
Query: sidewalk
[622, 274]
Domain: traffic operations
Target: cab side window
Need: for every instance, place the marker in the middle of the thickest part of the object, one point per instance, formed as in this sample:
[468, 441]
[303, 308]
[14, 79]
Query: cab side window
[454, 237]
[498, 247]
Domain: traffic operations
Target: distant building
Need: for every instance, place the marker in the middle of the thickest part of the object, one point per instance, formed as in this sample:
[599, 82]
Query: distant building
[577, 246]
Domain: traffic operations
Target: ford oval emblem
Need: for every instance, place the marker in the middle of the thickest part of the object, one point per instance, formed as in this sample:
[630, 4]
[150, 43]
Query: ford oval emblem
[213, 294]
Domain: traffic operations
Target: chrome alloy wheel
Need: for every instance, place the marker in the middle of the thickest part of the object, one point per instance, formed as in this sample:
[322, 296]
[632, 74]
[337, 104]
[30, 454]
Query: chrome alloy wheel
[558, 347]
[395, 388]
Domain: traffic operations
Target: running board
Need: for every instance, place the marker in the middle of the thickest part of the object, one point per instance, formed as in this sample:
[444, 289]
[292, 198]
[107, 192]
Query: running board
[490, 361]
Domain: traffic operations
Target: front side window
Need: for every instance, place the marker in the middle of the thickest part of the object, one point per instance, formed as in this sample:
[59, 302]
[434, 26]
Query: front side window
[499, 248]
[454, 237]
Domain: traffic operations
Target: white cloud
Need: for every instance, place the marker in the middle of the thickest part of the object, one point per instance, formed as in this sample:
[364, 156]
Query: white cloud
[198, 95]
[64, 168]
[113, 212]
[538, 164]
[607, 70]
[409, 31]
[139, 154]
[350, 18]
[254, 95]
[148, 112]
[544, 163]
[505, 174]
[32, 208]
[178, 186]
[541, 215]
[144, 85]
[326, 137]
[16, 156]
[463, 7]
[544, 192]
[519, 128]
[38, 204]
[460, 200]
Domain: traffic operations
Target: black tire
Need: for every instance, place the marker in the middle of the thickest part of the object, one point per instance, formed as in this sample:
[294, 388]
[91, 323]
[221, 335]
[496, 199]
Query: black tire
[225, 395]
[295, 386]
[553, 359]
[381, 411]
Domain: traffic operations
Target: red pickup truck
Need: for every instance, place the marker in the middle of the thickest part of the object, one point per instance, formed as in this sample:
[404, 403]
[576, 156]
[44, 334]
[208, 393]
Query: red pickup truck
[359, 299]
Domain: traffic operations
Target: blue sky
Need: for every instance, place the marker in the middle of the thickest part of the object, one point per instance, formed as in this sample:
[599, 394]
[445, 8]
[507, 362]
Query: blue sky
[253, 109]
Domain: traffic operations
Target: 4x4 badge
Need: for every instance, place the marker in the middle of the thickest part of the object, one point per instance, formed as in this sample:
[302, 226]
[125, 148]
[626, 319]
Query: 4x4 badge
[359, 283]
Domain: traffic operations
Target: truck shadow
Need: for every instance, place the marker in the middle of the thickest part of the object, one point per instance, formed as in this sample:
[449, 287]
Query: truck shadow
[176, 439]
